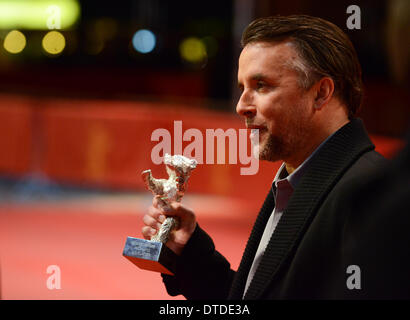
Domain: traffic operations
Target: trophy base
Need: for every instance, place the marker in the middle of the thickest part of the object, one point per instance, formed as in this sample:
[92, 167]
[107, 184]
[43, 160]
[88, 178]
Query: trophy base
[150, 255]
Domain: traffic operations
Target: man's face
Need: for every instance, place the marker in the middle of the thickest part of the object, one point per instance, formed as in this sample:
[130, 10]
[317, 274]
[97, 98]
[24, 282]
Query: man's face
[273, 101]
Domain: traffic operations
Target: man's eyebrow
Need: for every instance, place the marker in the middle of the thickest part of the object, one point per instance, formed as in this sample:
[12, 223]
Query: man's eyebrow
[255, 77]
[258, 76]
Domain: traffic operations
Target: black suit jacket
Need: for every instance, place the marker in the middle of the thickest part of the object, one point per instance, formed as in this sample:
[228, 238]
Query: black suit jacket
[378, 237]
[304, 257]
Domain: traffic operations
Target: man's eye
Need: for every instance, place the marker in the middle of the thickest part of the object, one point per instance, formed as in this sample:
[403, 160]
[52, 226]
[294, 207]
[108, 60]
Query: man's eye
[260, 85]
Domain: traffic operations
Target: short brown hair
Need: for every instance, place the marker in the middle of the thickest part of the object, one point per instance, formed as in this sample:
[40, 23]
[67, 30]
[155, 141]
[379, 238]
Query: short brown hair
[325, 50]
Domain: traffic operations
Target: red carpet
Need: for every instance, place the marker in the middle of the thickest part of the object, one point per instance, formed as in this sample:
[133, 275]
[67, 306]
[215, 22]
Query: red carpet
[85, 238]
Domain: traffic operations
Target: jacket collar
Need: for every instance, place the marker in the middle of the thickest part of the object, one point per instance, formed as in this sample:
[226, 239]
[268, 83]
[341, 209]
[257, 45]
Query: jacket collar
[326, 168]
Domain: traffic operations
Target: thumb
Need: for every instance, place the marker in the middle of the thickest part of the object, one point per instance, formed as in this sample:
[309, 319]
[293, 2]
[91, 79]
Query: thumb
[179, 210]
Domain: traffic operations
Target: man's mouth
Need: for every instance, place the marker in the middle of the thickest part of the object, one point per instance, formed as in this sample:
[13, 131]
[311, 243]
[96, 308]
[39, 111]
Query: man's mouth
[254, 127]
[256, 133]
[250, 125]
[256, 130]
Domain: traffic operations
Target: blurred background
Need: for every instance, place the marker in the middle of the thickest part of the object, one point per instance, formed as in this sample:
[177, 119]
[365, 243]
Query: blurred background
[83, 84]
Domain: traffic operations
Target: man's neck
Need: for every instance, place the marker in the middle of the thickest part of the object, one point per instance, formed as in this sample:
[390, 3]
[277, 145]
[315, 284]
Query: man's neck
[289, 168]
[293, 164]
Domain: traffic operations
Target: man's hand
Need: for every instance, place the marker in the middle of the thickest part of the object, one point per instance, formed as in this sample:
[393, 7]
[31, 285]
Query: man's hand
[156, 216]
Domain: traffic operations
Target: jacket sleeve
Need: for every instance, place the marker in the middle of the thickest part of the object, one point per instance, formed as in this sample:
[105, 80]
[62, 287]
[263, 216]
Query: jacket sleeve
[201, 271]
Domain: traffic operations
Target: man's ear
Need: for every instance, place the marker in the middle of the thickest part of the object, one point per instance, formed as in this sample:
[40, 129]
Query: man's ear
[324, 92]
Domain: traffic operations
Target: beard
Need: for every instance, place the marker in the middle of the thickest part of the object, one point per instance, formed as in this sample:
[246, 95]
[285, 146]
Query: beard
[273, 149]
[287, 141]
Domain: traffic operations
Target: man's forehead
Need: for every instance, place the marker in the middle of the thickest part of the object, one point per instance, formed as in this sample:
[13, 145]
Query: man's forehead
[262, 59]
[278, 50]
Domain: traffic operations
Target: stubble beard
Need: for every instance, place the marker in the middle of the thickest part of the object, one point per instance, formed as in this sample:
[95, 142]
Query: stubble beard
[273, 149]
[286, 145]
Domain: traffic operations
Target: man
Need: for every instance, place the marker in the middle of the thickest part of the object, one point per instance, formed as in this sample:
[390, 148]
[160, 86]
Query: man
[301, 87]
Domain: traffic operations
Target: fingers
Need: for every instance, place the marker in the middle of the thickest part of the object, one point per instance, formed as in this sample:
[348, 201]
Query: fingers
[148, 232]
[151, 222]
[179, 210]
[155, 201]
[160, 203]
[156, 214]
[164, 207]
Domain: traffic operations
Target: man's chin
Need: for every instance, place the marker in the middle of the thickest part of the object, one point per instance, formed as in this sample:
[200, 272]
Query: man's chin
[269, 158]
[271, 152]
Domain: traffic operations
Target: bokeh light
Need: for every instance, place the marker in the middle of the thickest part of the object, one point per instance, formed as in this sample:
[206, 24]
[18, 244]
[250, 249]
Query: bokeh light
[28, 14]
[144, 41]
[14, 42]
[53, 42]
[193, 50]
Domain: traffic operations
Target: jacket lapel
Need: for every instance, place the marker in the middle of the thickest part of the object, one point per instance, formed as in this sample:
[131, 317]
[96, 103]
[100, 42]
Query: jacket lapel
[325, 169]
[241, 275]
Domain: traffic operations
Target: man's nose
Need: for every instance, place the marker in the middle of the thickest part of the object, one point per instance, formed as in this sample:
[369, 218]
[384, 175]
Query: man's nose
[245, 106]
